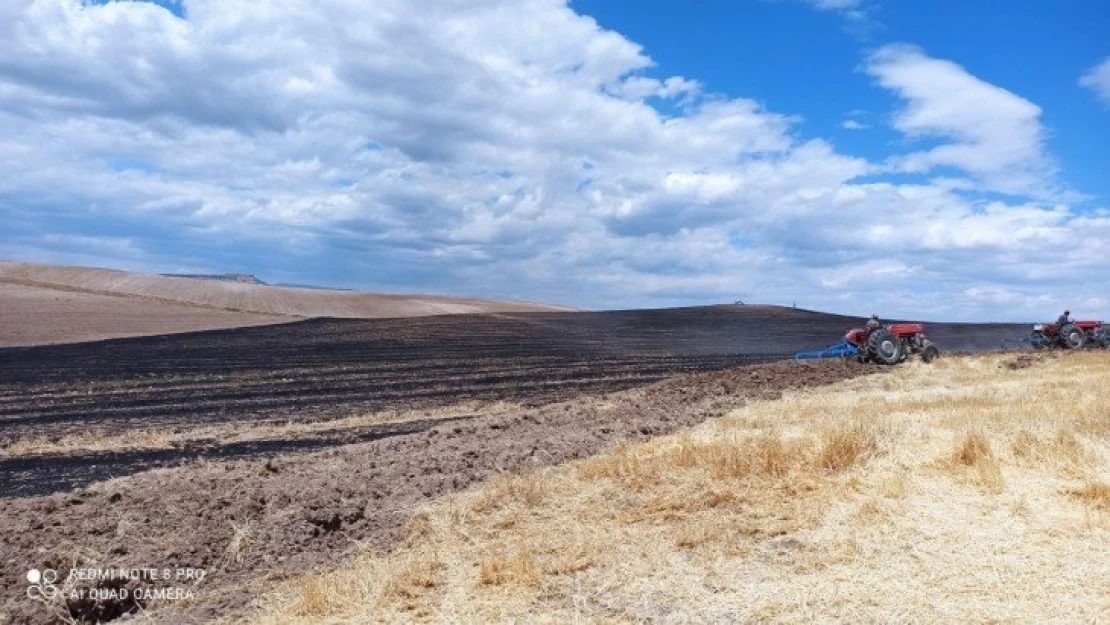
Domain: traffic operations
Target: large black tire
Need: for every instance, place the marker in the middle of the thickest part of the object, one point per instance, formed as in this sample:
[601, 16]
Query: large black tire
[930, 353]
[1071, 337]
[885, 348]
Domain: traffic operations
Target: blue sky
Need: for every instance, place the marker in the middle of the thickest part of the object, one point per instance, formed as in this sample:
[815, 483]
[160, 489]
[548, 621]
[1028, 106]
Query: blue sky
[939, 160]
[805, 62]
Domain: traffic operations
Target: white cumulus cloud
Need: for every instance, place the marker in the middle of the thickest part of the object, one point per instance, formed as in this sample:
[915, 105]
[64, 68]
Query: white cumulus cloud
[1097, 79]
[991, 133]
[505, 149]
[834, 5]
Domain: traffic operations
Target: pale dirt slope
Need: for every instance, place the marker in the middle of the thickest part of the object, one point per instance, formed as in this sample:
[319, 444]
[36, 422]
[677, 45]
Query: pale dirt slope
[253, 298]
[31, 315]
[48, 304]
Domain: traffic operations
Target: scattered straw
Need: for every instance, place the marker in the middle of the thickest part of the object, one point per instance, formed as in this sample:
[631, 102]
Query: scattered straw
[964, 491]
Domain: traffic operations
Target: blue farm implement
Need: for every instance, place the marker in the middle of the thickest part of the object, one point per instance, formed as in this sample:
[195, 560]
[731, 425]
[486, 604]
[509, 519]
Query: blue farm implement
[840, 350]
[887, 345]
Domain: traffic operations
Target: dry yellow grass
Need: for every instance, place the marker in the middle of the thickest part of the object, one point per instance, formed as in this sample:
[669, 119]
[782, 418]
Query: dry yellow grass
[956, 492]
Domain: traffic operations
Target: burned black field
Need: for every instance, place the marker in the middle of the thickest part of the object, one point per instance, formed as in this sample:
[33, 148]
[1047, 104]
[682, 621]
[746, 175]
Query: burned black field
[328, 368]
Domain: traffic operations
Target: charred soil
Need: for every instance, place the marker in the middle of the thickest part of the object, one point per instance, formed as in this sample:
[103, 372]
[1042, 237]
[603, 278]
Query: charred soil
[252, 520]
[327, 369]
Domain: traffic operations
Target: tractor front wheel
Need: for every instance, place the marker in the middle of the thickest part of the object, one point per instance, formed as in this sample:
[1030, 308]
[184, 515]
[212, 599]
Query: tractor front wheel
[885, 348]
[930, 353]
[1072, 336]
[1103, 340]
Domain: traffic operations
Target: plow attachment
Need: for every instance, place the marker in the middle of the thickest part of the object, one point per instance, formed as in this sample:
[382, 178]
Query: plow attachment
[840, 350]
[1019, 343]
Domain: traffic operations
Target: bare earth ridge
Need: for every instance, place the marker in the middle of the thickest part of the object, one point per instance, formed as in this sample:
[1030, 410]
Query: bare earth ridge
[52, 304]
[43, 315]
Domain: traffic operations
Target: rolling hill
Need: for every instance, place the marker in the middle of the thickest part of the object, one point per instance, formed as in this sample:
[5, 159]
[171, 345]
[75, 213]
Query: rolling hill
[41, 304]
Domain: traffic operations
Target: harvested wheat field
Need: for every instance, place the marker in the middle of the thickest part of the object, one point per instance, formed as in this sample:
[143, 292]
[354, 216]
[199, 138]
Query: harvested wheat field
[976, 489]
[242, 297]
[44, 315]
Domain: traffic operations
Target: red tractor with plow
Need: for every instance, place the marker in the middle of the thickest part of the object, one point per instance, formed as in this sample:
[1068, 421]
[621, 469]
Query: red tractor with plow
[886, 345]
[1071, 335]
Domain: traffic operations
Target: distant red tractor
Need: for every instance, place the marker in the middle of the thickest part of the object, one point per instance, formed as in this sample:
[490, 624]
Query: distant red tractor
[887, 345]
[1073, 335]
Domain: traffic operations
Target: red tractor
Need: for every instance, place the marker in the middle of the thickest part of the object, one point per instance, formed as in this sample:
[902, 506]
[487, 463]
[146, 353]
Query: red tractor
[887, 345]
[1072, 335]
[890, 345]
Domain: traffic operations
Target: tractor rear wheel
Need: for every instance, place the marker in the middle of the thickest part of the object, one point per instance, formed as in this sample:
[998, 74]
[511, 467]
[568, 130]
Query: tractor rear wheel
[930, 353]
[885, 348]
[1072, 337]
